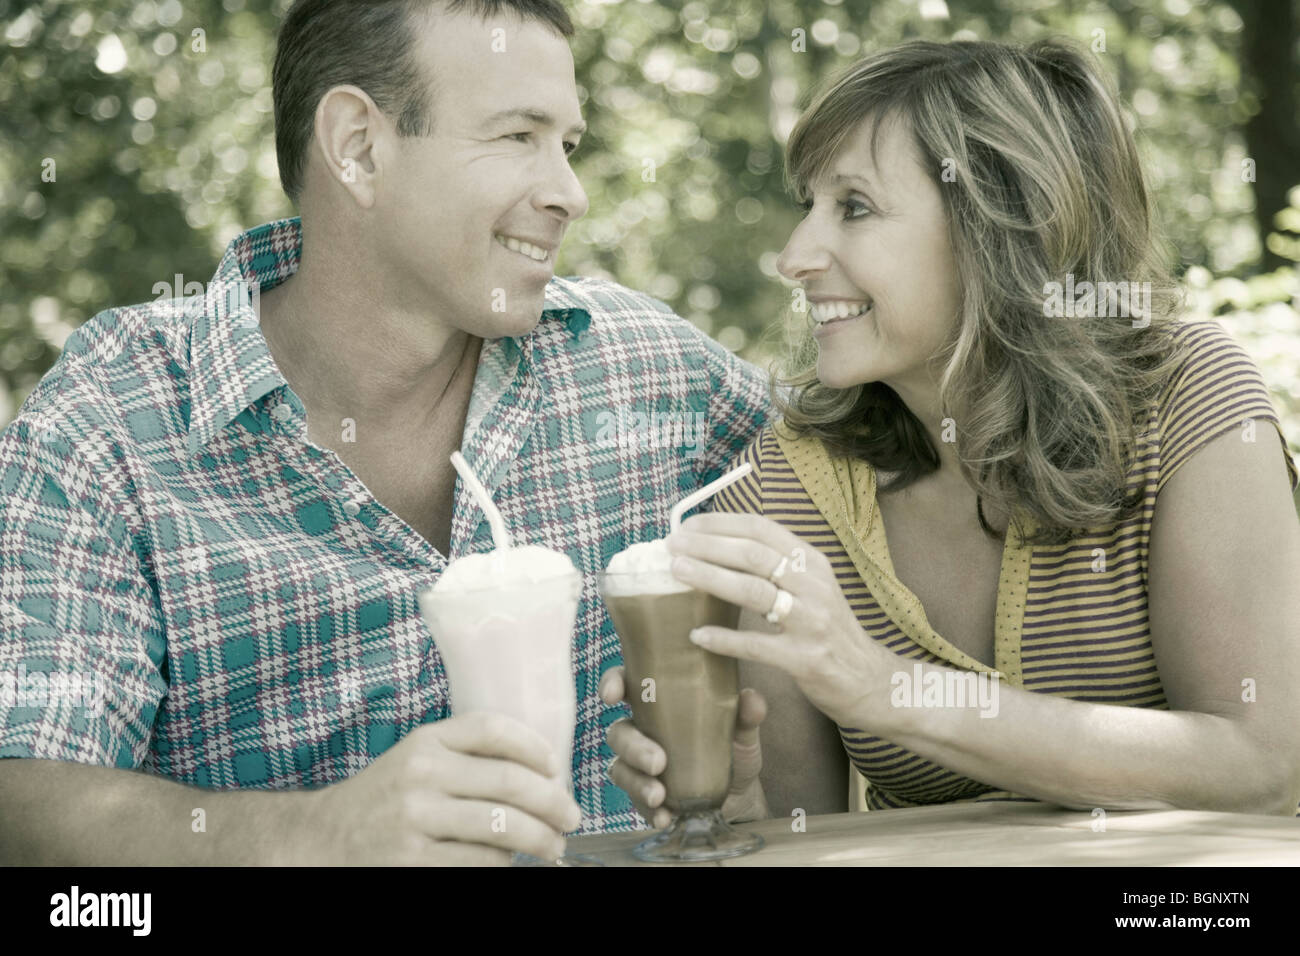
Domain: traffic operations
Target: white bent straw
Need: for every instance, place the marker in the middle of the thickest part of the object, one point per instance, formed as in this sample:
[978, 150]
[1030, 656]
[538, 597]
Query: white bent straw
[708, 491]
[500, 537]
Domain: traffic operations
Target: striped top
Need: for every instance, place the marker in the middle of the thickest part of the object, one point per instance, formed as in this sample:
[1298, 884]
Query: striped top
[1067, 624]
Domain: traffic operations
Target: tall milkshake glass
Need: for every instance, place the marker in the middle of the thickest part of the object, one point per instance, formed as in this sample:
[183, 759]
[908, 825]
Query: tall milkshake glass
[683, 697]
[503, 625]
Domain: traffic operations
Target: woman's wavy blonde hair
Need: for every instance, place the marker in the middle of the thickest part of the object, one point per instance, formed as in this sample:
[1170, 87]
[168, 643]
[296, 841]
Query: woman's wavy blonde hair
[1047, 182]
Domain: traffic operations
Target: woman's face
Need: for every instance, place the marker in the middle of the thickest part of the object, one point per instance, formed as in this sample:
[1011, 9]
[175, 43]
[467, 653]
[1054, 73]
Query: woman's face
[876, 238]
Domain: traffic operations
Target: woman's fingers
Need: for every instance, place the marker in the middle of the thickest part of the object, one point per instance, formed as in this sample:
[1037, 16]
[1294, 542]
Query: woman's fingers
[640, 752]
[743, 590]
[751, 713]
[756, 528]
[740, 554]
[647, 794]
[775, 650]
[638, 762]
[611, 686]
[747, 752]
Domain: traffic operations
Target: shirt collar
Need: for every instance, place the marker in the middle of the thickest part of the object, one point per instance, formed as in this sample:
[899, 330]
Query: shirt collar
[230, 364]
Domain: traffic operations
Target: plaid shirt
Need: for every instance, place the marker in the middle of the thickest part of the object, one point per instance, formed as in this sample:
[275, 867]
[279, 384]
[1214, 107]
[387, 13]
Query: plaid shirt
[190, 587]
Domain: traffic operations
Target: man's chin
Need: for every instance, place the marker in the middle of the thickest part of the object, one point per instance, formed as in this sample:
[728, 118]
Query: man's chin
[512, 326]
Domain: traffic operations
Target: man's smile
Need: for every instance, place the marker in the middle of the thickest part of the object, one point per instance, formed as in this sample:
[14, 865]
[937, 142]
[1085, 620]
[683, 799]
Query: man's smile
[533, 251]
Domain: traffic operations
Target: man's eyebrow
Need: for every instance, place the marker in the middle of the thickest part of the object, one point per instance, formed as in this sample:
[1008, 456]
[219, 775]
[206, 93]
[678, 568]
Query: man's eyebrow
[533, 116]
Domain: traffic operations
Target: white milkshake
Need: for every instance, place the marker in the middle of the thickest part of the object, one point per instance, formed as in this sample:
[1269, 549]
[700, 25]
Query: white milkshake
[503, 623]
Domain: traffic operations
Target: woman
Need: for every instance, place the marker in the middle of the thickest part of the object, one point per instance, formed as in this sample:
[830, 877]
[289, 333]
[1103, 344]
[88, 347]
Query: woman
[1001, 488]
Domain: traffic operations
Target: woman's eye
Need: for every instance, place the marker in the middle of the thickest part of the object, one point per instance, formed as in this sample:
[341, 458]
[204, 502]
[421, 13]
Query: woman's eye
[853, 208]
[852, 205]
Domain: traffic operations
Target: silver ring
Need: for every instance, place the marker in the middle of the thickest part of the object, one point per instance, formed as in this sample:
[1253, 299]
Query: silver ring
[780, 606]
[779, 570]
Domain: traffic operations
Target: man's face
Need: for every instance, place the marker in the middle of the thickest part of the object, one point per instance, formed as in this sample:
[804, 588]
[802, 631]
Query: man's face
[495, 172]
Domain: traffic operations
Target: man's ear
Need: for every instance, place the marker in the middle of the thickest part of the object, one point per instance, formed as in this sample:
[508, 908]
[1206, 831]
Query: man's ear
[348, 130]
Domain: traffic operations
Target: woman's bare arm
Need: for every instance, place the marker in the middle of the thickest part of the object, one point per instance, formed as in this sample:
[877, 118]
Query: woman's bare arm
[804, 763]
[1224, 602]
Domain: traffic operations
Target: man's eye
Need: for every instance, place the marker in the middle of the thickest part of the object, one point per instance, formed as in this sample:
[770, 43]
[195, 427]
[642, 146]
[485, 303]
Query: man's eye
[518, 136]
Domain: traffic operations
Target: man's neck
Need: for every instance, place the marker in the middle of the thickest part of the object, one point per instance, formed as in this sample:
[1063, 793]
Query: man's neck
[347, 356]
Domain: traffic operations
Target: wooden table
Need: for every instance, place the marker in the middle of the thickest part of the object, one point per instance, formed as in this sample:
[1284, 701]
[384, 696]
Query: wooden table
[1000, 834]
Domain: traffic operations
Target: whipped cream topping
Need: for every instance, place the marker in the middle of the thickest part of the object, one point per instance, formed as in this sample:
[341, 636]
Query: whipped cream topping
[647, 568]
[524, 565]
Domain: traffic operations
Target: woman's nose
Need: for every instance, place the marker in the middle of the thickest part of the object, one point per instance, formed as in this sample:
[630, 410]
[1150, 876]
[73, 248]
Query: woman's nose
[804, 256]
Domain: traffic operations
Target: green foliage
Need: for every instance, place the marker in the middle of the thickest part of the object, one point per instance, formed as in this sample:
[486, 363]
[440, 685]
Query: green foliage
[163, 149]
[1261, 312]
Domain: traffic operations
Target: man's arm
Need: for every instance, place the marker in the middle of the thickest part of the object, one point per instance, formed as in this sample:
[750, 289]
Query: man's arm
[76, 608]
[58, 813]
[739, 406]
[462, 791]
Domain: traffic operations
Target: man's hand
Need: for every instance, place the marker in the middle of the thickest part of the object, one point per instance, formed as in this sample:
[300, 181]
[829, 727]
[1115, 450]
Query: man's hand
[467, 790]
[641, 760]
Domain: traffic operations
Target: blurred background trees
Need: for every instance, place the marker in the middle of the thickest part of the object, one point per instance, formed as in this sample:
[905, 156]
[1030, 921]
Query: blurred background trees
[136, 140]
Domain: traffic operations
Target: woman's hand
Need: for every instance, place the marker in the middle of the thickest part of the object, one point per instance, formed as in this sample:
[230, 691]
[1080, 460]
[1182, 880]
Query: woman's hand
[734, 556]
[640, 760]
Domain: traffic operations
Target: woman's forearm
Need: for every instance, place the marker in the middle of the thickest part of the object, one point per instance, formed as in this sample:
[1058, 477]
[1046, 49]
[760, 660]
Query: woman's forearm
[1086, 755]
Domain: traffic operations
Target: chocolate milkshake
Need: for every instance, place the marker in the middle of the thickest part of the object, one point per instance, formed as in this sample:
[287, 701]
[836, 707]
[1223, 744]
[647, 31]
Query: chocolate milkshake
[683, 697]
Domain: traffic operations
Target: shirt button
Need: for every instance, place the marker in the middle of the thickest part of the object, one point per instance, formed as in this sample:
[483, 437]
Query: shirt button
[351, 509]
[281, 413]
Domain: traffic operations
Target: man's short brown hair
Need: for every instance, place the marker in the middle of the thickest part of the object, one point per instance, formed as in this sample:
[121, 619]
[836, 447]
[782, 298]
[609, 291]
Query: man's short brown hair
[368, 44]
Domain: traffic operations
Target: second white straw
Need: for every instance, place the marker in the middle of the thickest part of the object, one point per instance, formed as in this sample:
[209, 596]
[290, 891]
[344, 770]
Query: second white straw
[708, 491]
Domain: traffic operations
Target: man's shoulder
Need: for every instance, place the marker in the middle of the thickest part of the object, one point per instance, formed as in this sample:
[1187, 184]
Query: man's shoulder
[596, 294]
[108, 356]
[620, 320]
[615, 311]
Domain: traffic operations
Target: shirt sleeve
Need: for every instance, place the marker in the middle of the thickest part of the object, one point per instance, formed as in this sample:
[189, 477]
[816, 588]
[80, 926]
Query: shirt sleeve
[82, 643]
[1219, 389]
[739, 406]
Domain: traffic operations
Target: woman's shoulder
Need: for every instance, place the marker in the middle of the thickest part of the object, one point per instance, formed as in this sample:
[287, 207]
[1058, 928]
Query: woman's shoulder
[771, 471]
[1210, 355]
[779, 445]
[1216, 387]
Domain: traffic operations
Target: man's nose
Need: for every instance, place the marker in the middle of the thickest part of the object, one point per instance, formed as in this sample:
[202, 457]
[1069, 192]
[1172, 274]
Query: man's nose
[562, 195]
[805, 255]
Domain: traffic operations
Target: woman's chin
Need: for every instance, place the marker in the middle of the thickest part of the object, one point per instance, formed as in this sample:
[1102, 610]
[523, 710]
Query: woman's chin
[832, 377]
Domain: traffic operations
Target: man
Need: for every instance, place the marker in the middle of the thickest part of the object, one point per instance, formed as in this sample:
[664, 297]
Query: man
[218, 512]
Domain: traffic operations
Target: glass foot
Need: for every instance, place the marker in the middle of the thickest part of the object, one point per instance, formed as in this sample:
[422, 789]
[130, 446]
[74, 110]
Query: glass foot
[695, 836]
[569, 859]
